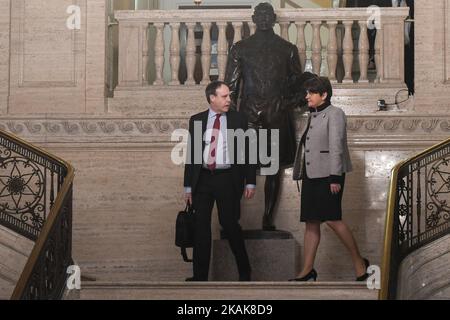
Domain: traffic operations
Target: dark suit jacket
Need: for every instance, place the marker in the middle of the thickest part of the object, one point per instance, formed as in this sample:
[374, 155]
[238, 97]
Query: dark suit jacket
[242, 173]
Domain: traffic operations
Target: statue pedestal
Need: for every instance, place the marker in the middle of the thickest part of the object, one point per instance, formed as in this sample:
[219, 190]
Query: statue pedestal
[272, 256]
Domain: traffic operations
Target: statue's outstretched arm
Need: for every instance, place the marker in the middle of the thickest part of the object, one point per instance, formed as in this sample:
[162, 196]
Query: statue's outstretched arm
[295, 93]
[233, 75]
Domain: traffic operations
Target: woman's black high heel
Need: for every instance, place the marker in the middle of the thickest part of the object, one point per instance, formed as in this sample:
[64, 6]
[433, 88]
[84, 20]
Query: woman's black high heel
[365, 275]
[311, 275]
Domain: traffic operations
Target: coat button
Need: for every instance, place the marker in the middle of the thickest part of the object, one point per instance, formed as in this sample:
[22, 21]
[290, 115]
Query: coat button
[307, 150]
[307, 138]
[310, 127]
[307, 163]
[315, 116]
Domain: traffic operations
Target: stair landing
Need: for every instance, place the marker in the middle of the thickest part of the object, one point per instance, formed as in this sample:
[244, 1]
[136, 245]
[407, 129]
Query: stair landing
[224, 290]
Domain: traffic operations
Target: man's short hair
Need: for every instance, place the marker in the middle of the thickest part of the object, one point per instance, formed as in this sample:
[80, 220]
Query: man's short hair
[212, 87]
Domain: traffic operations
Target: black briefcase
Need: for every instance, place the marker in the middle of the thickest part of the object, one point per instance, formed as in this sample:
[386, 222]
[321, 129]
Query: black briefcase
[184, 232]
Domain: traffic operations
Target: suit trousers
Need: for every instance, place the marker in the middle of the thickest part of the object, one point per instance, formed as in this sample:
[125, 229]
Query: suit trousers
[217, 186]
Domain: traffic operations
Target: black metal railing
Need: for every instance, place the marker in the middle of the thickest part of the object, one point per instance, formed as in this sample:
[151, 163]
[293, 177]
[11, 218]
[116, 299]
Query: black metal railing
[36, 202]
[418, 209]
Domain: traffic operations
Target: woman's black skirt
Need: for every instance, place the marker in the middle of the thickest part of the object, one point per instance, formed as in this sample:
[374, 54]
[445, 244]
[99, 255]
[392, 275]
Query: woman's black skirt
[317, 201]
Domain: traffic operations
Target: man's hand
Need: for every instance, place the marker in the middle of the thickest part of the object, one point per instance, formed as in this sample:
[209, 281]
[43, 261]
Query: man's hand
[188, 198]
[249, 193]
[335, 188]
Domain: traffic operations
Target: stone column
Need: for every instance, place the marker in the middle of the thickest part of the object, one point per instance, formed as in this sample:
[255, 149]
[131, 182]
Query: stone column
[348, 52]
[175, 53]
[332, 51]
[190, 54]
[316, 47]
[159, 54]
[206, 52]
[252, 27]
[96, 39]
[363, 52]
[284, 28]
[222, 48]
[4, 54]
[237, 31]
[301, 43]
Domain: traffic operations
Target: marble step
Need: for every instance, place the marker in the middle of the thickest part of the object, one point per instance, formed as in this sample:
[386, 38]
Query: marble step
[14, 252]
[224, 290]
[6, 289]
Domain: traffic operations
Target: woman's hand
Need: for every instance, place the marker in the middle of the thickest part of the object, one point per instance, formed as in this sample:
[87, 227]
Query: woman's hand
[335, 188]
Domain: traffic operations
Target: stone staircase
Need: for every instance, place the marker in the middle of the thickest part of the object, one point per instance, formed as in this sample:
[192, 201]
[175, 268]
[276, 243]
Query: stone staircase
[14, 252]
[223, 290]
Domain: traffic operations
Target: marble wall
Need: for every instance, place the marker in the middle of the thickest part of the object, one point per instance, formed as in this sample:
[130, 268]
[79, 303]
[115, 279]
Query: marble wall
[53, 65]
[127, 192]
[432, 56]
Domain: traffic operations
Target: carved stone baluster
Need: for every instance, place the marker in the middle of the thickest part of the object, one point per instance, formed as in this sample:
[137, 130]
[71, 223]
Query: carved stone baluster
[206, 52]
[252, 27]
[190, 53]
[222, 48]
[237, 31]
[159, 54]
[175, 53]
[332, 56]
[363, 52]
[316, 47]
[144, 30]
[284, 28]
[378, 55]
[301, 43]
[348, 52]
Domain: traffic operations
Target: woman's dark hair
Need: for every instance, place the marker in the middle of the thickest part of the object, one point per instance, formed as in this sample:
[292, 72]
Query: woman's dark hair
[212, 87]
[319, 85]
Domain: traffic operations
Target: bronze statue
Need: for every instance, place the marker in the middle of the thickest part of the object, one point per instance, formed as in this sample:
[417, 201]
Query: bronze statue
[268, 67]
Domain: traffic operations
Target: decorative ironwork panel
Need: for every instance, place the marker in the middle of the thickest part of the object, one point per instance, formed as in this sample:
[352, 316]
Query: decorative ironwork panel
[49, 275]
[30, 185]
[422, 205]
[438, 206]
[26, 190]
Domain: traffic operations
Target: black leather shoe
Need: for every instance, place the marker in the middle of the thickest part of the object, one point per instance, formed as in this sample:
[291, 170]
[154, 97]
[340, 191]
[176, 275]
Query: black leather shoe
[190, 279]
[311, 275]
[365, 275]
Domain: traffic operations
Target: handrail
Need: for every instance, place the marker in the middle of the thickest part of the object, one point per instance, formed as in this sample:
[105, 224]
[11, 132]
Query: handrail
[392, 252]
[28, 286]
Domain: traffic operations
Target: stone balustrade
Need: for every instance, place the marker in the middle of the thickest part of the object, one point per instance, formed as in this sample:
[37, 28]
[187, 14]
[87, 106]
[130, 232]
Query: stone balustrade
[332, 42]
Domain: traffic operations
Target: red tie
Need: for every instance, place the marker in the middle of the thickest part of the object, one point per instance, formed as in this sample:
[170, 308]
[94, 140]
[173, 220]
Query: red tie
[213, 145]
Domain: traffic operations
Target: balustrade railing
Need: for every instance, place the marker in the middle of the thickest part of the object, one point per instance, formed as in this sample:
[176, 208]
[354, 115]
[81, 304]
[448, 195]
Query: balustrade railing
[36, 202]
[418, 209]
[193, 44]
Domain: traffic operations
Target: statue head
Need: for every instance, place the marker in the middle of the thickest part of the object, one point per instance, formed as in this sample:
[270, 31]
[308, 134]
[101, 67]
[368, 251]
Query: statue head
[264, 16]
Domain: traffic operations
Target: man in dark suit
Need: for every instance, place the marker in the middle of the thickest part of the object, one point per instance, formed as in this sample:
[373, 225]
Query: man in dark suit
[214, 174]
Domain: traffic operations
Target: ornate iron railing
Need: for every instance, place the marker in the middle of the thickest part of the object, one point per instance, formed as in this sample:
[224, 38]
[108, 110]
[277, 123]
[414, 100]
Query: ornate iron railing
[418, 209]
[36, 202]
